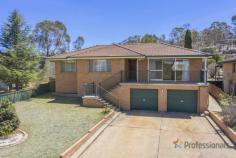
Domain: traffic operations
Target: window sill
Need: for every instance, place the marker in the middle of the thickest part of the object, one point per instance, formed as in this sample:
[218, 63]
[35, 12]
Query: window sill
[68, 72]
[100, 72]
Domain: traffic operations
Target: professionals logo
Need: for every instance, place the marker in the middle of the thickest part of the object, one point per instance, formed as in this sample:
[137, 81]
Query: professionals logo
[177, 143]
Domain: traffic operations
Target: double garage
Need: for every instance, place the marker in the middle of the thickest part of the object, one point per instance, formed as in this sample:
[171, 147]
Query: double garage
[177, 100]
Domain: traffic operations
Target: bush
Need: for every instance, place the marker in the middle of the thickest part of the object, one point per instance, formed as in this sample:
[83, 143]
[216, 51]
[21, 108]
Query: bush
[229, 115]
[225, 100]
[9, 120]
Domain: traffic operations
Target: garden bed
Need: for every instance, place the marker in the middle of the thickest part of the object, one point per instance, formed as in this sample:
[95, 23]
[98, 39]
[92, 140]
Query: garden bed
[17, 137]
[217, 118]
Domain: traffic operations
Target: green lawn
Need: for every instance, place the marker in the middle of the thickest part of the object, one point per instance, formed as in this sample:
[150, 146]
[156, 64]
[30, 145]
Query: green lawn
[53, 124]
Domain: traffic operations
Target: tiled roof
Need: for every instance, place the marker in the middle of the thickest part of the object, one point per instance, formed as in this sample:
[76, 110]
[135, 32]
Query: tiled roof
[131, 50]
[230, 60]
[162, 49]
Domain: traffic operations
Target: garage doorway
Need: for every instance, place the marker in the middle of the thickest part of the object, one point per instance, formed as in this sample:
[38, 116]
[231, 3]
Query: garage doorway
[182, 101]
[144, 99]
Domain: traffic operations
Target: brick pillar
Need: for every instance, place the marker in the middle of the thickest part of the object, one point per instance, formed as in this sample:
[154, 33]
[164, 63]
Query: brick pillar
[162, 100]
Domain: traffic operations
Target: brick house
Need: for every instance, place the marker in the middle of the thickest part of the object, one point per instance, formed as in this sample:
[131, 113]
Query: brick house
[229, 75]
[152, 76]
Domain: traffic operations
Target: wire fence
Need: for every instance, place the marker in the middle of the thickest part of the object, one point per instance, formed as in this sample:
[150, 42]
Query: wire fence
[28, 93]
[17, 95]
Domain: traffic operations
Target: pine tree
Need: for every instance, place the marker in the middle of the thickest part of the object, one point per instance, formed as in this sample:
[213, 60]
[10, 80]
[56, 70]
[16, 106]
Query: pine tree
[17, 61]
[13, 32]
[188, 39]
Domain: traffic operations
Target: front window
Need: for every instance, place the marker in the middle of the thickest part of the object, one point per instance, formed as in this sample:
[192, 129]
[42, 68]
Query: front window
[156, 69]
[182, 70]
[169, 69]
[100, 65]
[68, 66]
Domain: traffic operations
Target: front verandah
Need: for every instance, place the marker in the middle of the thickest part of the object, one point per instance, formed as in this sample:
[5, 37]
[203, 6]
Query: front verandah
[153, 71]
[167, 70]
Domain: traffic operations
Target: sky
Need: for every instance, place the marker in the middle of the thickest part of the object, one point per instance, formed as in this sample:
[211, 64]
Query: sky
[109, 21]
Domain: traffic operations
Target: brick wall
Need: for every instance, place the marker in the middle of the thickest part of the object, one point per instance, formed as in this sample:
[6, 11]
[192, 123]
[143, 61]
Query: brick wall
[73, 82]
[124, 94]
[228, 76]
[66, 82]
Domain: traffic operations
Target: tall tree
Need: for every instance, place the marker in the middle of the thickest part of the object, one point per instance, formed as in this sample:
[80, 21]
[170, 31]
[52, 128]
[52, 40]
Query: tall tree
[196, 39]
[177, 36]
[18, 61]
[14, 31]
[78, 43]
[148, 38]
[188, 40]
[132, 39]
[51, 37]
[163, 38]
[218, 31]
[234, 23]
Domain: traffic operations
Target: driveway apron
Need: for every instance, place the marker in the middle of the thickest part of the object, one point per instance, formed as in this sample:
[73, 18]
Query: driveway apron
[141, 134]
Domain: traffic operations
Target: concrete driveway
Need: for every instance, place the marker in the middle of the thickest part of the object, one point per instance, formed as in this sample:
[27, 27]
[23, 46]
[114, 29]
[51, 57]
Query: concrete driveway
[140, 134]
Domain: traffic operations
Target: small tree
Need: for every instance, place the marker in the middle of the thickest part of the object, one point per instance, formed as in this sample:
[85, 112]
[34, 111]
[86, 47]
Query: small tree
[188, 40]
[9, 120]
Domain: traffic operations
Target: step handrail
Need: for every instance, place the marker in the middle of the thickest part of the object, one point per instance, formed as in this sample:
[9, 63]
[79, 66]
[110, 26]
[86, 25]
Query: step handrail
[98, 85]
[118, 76]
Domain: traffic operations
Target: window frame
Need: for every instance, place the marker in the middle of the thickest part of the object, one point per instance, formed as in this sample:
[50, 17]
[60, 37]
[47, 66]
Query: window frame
[156, 70]
[65, 68]
[162, 70]
[94, 67]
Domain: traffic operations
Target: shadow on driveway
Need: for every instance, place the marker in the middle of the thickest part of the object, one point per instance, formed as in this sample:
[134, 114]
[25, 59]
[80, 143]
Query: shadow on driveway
[178, 115]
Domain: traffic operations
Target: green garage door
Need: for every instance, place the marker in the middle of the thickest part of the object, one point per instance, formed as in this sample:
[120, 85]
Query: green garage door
[143, 99]
[182, 101]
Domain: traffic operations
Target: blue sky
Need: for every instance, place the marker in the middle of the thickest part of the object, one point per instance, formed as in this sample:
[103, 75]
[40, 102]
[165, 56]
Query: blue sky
[108, 21]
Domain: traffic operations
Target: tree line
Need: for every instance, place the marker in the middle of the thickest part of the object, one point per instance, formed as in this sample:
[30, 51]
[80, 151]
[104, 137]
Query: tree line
[22, 49]
[186, 36]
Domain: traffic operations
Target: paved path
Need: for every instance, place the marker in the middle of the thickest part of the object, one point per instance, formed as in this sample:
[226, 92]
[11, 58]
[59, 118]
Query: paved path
[151, 135]
[213, 105]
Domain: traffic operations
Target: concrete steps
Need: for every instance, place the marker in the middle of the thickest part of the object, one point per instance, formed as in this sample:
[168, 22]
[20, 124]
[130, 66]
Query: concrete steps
[105, 102]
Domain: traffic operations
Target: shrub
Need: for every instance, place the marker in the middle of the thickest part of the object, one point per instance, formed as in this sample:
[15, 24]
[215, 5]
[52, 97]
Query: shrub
[225, 100]
[229, 115]
[9, 120]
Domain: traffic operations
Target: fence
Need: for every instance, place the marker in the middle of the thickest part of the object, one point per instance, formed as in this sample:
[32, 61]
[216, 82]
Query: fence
[17, 96]
[27, 94]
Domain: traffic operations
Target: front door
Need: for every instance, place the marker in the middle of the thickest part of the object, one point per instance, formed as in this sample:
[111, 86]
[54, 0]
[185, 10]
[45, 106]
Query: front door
[132, 70]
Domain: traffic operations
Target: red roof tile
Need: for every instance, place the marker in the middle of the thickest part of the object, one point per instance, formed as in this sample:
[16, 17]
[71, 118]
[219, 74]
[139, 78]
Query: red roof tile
[131, 50]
